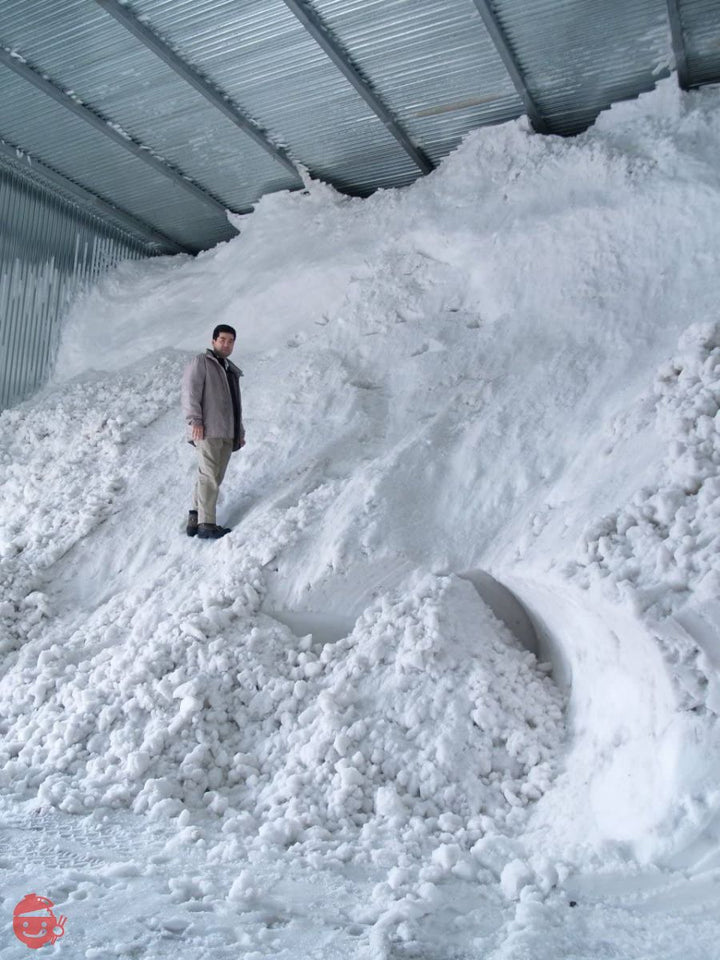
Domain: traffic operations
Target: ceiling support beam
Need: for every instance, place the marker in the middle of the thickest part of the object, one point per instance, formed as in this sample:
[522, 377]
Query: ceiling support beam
[20, 160]
[23, 69]
[678, 43]
[497, 35]
[325, 39]
[152, 41]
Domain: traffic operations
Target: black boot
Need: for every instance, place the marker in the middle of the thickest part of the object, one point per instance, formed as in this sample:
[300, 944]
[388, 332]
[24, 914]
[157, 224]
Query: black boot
[192, 523]
[211, 531]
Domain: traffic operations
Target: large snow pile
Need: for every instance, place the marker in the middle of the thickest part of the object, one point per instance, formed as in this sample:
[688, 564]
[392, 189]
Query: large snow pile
[62, 467]
[172, 695]
[449, 378]
[664, 546]
[421, 712]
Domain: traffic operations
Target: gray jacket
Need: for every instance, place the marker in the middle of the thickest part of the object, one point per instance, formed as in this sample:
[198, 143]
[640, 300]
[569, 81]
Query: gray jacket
[207, 401]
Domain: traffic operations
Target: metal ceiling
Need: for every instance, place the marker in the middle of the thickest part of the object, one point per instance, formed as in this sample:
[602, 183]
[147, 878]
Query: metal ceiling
[161, 114]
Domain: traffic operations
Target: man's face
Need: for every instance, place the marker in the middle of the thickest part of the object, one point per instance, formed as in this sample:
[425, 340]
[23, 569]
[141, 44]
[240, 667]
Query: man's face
[224, 344]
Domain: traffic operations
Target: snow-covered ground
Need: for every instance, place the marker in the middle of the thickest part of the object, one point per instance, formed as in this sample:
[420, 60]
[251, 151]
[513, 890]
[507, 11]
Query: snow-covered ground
[315, 738]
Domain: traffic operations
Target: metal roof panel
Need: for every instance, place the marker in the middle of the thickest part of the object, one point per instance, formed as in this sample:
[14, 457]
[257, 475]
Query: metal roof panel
[115, 75]
[260, 55]
[65, 143]
[432, 63]
[701, 28]
[580, 57]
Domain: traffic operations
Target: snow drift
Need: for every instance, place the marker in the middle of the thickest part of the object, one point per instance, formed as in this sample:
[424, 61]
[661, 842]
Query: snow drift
[480, 372]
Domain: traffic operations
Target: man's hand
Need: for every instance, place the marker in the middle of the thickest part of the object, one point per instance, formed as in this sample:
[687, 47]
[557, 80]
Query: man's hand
[198, 432]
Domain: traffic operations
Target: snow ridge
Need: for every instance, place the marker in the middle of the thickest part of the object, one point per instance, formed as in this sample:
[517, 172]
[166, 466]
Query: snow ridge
[664, 546]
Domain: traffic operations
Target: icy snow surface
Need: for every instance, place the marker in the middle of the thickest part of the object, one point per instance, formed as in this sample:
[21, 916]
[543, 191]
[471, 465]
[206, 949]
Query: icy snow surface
[314, 739]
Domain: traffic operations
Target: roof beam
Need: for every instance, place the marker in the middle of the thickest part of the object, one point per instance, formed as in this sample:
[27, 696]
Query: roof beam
[28, 73]
[322, 36]
[152, 41]
[89, 201]
[497, 35]
[678, 43]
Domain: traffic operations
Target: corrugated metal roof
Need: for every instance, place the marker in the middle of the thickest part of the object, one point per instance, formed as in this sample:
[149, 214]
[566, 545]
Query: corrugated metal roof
[80, 153]
[113, 73]
[264, 60]
[579, 57]
[701, 30]
[431, 64]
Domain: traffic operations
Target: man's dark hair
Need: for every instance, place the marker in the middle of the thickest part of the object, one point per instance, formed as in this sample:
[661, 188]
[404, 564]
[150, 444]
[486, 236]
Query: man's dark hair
[223, 328]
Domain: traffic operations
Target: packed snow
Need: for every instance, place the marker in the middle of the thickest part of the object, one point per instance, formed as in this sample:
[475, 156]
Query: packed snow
[491, 392]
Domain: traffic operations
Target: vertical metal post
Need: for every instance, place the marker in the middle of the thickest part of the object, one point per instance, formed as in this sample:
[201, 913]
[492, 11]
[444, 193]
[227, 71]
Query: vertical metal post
[678, 43]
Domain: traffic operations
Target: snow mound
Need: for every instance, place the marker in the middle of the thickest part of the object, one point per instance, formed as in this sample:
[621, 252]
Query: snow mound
[664, 546]
[65, 461]
[428, 718]
[432, 379]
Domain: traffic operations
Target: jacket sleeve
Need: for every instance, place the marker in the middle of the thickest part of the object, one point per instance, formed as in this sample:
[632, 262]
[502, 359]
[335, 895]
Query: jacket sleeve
[193, 387]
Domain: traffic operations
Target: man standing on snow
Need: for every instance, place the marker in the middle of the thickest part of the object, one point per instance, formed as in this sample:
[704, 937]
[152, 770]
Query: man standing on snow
[213, 412]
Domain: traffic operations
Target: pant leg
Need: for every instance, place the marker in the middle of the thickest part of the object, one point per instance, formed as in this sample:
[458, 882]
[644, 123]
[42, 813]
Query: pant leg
[213, 457]
[224, 459]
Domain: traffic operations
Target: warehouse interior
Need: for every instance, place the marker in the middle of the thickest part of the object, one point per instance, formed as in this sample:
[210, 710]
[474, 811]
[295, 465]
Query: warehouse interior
[468, 249]
[130, 129]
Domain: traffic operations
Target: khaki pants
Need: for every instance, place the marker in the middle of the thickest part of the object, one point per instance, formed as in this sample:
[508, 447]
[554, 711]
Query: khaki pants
[213, 456]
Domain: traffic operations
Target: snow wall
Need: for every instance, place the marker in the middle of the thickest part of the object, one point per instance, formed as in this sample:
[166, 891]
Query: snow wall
[512, 366]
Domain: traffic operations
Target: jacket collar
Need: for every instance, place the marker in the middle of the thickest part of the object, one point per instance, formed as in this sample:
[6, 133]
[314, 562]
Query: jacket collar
[230, 365]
